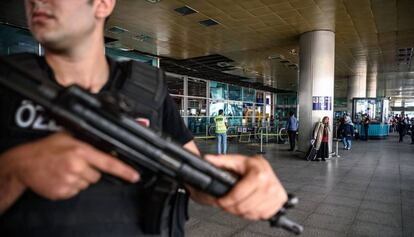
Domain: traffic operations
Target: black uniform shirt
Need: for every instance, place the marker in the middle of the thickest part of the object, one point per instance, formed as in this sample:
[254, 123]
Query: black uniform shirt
[104, 209]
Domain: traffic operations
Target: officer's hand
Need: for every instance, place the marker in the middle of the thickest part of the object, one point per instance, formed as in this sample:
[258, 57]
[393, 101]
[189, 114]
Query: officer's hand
[258, 195]
[59, 166]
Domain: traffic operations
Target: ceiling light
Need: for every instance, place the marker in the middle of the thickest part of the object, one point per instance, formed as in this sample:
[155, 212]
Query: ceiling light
[184, 11]
[293, 52]
[208, 22]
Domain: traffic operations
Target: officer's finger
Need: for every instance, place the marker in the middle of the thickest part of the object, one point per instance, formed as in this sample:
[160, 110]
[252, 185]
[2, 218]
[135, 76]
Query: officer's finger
[111, 165]
[243, 189]
[249, 208]
[91, 175]
[82, 184]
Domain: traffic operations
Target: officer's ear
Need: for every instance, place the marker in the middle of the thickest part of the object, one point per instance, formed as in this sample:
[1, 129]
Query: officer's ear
[104, 8]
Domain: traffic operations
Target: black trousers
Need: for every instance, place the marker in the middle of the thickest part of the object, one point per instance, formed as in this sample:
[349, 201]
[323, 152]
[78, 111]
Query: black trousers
[292, 139]
[366, 131]
[323, 151]
[402, 134]
[412, 136]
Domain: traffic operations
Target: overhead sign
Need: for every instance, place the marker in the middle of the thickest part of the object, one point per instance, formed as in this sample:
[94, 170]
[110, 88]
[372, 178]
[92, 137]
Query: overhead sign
[321, 103]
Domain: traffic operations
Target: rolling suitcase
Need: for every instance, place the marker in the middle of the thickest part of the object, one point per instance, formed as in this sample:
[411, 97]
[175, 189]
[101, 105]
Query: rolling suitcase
[312, 152]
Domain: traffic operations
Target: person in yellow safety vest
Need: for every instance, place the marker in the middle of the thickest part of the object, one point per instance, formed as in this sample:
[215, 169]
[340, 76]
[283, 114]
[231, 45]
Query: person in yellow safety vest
[221, 132]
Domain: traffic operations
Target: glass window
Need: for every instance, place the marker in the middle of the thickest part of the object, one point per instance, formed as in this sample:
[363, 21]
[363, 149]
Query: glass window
[259, 114]
[287, 99]
[259, 97]
[398, 103]
[248, 111]
[364, 107]
[249, 94]
[197, 87]
[234, 113]
[235, 93]
[198, 125]
[175, 85]
[196, 107]
[293, 99]
[16, 40]
[409, 103]
[179, 101]
[215, 106]
[218, 90]
[197, 116]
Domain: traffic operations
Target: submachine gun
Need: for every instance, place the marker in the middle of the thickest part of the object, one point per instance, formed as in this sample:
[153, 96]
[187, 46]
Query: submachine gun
[86, 115]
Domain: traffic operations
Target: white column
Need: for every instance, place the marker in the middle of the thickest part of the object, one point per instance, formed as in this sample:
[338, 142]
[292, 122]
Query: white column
[357, 88]
[316, 82]
[185, 102]
[372, 85]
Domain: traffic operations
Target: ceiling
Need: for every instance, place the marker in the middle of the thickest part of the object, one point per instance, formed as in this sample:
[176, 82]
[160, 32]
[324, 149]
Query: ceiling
[261, 37]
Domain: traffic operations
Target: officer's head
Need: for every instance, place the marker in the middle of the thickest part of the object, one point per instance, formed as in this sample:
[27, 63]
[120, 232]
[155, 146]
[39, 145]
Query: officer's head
[291, 113]
[60, 24]
[221, 112]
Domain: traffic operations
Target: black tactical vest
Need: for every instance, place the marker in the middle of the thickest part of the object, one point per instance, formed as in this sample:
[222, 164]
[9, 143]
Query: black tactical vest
[107, 208]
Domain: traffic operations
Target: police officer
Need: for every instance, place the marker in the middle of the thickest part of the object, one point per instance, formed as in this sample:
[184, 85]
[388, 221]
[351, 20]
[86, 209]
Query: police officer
[221, 132]
[50, 182]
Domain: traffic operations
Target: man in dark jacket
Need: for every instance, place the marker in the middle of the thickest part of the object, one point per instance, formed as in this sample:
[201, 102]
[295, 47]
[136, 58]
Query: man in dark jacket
[401, 127]
[347, 134]
[412, 130]
[365, 123]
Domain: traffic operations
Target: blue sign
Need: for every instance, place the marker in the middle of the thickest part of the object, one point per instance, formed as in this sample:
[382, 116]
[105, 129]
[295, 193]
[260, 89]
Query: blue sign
[321, 103]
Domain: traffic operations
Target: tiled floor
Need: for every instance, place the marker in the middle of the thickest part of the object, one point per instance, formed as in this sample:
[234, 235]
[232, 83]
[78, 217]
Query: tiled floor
[368, 191]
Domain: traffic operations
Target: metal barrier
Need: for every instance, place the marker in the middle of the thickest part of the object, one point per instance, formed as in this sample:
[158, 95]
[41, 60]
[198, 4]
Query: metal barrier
[261, 142]
[336, 153]
[257, 134]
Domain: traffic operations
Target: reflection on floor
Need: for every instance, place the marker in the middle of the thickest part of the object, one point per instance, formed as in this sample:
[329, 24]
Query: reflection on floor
[368, 191]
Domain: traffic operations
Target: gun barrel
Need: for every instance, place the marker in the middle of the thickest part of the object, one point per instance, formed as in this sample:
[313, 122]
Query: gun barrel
[80, 112]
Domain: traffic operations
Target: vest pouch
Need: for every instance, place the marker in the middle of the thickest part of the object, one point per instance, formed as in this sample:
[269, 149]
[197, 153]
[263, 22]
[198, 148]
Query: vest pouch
[156, 208]
[179, 212]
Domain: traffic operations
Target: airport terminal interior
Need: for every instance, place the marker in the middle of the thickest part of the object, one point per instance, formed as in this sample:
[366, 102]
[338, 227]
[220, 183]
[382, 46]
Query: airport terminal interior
[259, 60]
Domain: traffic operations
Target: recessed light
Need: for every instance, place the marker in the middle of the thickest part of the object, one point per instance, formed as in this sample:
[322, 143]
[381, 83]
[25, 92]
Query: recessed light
[184, 11]
[208, 22]
[293, 52]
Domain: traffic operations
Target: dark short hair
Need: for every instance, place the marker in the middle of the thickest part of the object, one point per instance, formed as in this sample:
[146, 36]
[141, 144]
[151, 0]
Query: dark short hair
[291, 113]
[221, 111]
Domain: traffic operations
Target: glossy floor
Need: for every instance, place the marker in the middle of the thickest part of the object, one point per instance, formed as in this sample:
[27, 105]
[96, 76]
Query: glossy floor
[368, 191]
